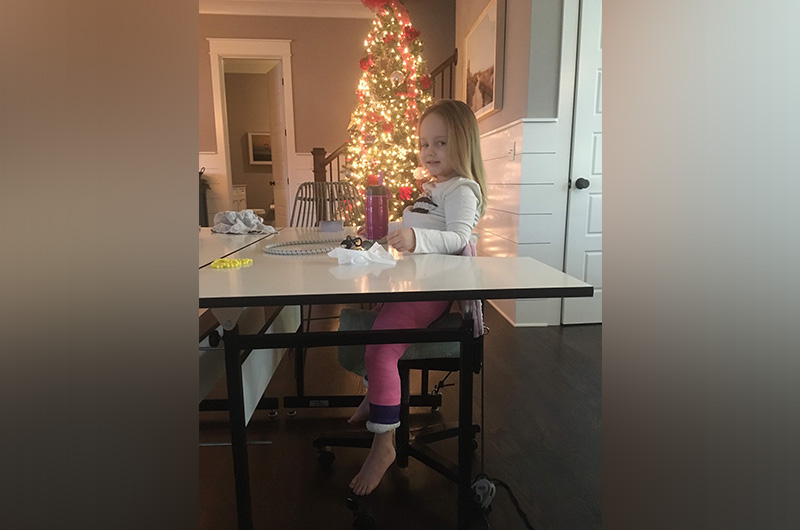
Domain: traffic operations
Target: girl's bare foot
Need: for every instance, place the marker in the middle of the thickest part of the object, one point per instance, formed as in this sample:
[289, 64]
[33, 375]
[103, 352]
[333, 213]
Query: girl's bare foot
[362, 412]
[380, 457]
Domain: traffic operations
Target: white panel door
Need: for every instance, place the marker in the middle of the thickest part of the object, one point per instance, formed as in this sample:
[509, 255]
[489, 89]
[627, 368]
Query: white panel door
[584, 245]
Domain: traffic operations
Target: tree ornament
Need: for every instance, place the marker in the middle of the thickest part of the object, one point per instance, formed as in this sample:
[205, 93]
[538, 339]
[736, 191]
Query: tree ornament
[366, 62]
[410, 33]
[397, 77]
[424, 82]
[373, 4]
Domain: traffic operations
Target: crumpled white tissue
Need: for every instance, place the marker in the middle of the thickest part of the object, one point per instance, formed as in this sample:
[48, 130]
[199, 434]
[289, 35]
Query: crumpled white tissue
[244, 222]
[375, 254]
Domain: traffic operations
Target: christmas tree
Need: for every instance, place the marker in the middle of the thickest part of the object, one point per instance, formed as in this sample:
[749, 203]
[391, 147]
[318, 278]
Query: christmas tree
[393, 92]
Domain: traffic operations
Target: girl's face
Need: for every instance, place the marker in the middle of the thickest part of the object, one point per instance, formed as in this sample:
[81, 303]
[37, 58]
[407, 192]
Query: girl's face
[433, 147]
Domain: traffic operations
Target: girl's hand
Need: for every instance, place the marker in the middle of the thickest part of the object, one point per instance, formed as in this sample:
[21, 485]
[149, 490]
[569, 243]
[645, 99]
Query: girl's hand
[402, 239]
[361, 230]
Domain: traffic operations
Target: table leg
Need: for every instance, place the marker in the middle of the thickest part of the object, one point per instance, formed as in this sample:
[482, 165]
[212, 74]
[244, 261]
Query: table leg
[465, 426]
[233, 374]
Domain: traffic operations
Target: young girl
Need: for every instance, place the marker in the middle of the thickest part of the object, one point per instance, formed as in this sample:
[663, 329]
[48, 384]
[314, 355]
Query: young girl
[440, 221]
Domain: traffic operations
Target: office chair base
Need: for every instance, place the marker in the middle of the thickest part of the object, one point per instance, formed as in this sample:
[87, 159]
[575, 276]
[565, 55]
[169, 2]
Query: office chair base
[417, 447]
[305, 402]
[358, 439]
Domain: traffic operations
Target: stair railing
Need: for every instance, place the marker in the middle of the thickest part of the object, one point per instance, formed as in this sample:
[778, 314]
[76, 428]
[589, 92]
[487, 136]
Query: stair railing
[443, 77]
[332, 167]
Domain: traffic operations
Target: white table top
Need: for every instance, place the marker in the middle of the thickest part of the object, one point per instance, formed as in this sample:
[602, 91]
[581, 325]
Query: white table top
[213, 246]
[317, 278]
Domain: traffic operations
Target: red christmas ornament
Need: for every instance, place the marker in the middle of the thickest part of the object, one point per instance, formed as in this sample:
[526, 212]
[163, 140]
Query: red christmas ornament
[404, 193]
[388, 39]
[365, 63]
[373, 4]
[410, 33]
[373, 180]
[425, 82]
[388, 127]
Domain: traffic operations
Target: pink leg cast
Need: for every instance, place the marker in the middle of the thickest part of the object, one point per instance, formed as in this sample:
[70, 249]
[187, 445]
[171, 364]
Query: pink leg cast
[384, 387]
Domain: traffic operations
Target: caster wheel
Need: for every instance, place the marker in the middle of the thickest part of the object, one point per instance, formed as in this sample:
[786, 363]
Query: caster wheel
[273, 414]
[474, 445]
[364, 522]
[291, 413]
[326, 458]
[352, 502]
[434, 392]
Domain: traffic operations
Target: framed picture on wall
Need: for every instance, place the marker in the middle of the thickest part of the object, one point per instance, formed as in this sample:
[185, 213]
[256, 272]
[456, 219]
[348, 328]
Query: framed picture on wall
[260, 146]
[485, 54]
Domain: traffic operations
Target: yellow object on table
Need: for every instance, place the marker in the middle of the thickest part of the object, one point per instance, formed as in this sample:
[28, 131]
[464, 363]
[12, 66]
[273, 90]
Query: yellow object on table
[225, 263]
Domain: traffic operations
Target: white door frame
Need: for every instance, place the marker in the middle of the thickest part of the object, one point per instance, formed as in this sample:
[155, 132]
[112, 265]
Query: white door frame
[220, 49]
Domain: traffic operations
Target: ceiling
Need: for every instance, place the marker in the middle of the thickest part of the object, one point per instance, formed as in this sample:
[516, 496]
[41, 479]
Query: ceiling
[287, 8]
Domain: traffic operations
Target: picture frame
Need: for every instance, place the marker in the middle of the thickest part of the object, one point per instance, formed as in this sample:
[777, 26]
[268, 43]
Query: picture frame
[259, 145]
[484, 60]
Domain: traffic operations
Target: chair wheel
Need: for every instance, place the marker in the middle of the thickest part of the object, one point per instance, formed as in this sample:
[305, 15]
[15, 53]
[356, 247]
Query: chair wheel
[474, 445]
[326, 458]
[435, 392]
[364, 522]
[291, 413]
[352, 502]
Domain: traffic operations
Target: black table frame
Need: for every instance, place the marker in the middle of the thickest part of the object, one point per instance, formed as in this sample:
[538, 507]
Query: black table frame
[236, 342]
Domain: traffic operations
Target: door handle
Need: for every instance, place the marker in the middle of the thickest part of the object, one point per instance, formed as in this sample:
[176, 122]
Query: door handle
[271, 182]
[582, 183]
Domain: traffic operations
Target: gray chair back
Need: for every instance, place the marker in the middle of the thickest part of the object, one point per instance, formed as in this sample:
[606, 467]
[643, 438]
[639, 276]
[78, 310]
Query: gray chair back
[326, 201]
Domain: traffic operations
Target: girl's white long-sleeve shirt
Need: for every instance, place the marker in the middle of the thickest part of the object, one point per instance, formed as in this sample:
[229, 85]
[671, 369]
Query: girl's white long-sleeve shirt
[444, 216]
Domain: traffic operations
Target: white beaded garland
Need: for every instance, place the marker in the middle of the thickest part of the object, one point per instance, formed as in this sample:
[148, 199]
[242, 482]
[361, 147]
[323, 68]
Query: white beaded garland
[276, 248]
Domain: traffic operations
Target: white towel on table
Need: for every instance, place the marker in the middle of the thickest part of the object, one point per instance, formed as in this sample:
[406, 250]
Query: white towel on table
[244, 222]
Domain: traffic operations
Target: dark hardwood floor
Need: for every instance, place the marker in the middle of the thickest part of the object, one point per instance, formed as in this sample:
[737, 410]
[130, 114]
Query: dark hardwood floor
[542, 437]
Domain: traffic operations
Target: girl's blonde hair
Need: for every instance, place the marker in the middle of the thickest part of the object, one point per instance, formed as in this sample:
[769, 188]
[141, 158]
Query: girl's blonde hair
[463, 141]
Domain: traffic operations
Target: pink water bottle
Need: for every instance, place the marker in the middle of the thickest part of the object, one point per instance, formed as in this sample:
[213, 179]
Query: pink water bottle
[377, 211]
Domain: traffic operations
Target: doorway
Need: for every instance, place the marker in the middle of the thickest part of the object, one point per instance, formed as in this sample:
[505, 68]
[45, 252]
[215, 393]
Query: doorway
[249, 103]
[274, 57]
